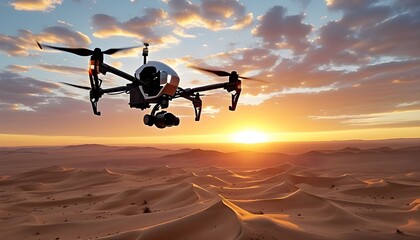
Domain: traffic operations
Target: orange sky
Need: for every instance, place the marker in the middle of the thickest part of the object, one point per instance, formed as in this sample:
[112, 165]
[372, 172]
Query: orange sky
[334, 71]
[368, 134]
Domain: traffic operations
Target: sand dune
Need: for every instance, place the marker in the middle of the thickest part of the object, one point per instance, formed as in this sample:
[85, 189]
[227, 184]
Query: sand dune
[148, 193]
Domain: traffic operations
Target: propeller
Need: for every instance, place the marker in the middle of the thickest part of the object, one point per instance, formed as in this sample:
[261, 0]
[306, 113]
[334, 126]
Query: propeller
[104, 90]
[221, 73]
[76, 86]
[84, 51]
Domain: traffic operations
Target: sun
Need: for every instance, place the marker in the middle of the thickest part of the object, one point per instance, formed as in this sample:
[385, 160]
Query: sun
[249, 137]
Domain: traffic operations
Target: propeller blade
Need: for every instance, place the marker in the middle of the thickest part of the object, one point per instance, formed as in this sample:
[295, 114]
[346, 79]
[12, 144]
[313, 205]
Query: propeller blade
[77, 51]
[224, 73]
[84, 51]
[217, 72]
[253, 79]
[76, 86]
[115, 50]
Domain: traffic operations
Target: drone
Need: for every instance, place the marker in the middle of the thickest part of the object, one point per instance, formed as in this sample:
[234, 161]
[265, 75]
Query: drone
[152, 83]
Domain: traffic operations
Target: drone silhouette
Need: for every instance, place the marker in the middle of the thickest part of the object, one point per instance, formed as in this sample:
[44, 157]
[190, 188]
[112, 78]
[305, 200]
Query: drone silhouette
[153, 83]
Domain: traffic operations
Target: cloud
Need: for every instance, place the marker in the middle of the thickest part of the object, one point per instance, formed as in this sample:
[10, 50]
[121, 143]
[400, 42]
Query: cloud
[180, 32]
[16, 46]
[368, 31]
[175, 62]
[407, 104]
[211, 14]
[33, 107]
[158, 26]
[242, 60]
[64, 36]
[279, 30]
[376, 119]
[18, 68]
[65, 23]
[184, 12]
[242, 22]
[340, 72]
[25, 92]
[149, 28]
[210, 110]
[378, 92]
[219, 9]
[359, 49]
[25, 42]
[369, 88]
[372, 94]
[62, 69]
[348, 4]
[35, 5]
[383, 40]
[258, 99]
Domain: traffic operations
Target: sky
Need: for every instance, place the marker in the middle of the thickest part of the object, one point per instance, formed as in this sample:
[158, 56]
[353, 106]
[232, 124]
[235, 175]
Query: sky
[333, 70]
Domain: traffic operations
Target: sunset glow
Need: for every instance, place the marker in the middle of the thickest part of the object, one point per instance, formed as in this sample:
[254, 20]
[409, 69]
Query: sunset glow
[249, 137]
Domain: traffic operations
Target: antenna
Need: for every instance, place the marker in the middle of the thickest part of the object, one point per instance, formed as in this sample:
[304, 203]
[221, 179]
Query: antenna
[145, 53]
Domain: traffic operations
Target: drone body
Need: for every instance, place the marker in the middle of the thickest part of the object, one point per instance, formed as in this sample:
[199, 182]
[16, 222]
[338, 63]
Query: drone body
[160, 80]
[153, 83]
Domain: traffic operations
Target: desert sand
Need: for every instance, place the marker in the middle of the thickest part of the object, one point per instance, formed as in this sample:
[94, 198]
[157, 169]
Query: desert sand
[108, 192]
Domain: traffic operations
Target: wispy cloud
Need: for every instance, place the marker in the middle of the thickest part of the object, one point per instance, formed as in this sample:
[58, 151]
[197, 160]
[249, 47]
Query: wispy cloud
[376, 119]
[26, 92]
[282, 31]
[210, 110]
[35, 5]
[18, 68]
[65, 23]
[214, 15]
[258, 99]
[146, 28]
[62, 69]
[407, 104]
[25, 42]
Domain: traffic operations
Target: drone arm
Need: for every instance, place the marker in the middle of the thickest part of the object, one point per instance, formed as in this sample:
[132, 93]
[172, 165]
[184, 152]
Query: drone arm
[193, 95]
[204, 88]
[115, 89]
[229, 86]
[96, 94]
[106, 68]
